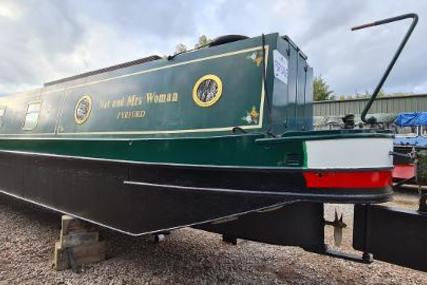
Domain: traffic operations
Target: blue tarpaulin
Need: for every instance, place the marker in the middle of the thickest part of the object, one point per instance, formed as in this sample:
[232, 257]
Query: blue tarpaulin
[411, 119]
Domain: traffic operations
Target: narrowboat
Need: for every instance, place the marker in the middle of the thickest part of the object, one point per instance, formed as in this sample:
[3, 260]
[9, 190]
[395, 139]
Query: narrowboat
[167, 142]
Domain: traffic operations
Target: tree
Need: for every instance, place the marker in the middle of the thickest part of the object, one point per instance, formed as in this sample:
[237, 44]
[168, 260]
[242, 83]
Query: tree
[367, 94]
[321, 89]
[180, 48]
[381, 93]
[203, 42]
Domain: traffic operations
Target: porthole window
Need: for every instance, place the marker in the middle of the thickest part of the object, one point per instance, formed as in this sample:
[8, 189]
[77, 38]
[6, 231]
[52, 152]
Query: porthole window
[32, 116]
[207, 90]
[83, 109]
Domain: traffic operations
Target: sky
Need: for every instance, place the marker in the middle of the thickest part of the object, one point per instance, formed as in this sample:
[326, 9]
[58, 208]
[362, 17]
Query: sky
[46, 40]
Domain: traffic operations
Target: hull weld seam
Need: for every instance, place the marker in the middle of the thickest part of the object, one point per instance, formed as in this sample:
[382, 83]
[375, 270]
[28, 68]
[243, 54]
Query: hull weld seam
[148, 232]
[291, 195]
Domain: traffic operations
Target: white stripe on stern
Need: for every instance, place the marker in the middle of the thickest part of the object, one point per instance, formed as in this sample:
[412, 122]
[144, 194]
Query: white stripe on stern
[349, 153]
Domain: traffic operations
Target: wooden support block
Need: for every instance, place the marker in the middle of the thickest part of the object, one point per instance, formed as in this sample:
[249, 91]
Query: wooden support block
[83, 254]
[60, 259]
[78, 238]
[78, 244]
[71, 224]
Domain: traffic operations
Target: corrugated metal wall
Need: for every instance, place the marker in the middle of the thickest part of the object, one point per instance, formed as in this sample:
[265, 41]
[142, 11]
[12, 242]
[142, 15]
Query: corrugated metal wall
[397, 104]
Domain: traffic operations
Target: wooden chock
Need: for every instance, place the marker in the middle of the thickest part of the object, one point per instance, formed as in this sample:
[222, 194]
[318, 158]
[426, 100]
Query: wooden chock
[78, 244]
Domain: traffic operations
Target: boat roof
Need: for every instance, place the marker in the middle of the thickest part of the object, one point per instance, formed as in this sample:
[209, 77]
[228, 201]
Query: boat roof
[102, 70]
[411, 119]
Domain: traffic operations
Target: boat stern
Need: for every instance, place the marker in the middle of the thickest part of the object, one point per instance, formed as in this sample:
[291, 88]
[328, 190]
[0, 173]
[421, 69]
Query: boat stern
[359, 165]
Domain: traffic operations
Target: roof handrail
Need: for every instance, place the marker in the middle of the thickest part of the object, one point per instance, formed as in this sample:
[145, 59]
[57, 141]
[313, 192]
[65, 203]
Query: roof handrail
[414, 17]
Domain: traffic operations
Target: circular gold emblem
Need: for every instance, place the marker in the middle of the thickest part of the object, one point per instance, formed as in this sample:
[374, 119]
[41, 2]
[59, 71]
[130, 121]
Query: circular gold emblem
[207, 90]
[82, 109]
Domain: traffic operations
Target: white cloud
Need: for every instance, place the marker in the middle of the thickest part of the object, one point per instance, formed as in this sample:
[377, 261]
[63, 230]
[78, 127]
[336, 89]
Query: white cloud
[46, 40]
[10, 10]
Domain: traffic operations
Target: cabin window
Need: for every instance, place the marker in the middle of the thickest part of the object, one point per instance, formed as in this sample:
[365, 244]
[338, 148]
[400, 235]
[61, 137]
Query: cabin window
[32, 116]
[2, 112]
[424, 131]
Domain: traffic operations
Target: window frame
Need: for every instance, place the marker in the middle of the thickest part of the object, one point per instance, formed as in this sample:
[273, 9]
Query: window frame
[38, 111]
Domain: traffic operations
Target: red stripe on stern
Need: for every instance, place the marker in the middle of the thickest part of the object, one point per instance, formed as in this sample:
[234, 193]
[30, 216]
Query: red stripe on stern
[404, 171]
[348, 179]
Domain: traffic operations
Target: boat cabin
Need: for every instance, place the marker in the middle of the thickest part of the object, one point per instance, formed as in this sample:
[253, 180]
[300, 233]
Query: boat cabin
[251, 84]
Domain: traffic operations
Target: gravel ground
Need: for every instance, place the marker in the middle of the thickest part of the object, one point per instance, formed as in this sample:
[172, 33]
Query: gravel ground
[188, 256]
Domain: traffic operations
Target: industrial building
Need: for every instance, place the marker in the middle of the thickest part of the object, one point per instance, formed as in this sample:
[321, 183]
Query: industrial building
[390, 105]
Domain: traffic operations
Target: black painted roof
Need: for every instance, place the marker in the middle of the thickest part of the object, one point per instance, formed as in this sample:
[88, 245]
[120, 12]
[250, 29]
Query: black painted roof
[102, 70]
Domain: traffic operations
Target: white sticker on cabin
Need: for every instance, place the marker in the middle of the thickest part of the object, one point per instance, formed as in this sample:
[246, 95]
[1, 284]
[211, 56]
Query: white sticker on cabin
[280, 66]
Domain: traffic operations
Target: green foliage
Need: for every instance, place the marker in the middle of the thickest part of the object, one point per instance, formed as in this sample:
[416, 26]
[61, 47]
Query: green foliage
[321, 89]
[367, 94]
[400, 94]
[203, 42]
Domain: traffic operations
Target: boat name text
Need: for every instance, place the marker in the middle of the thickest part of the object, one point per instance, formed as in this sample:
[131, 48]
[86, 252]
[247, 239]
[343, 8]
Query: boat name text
[137, 100]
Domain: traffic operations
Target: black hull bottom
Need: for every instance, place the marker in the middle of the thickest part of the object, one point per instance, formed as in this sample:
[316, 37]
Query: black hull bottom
[145, 198]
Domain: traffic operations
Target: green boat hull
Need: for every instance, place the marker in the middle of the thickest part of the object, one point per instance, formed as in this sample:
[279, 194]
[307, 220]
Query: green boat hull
[186, 140]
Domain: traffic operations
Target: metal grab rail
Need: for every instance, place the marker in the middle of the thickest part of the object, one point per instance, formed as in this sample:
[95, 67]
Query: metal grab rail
[373, 120]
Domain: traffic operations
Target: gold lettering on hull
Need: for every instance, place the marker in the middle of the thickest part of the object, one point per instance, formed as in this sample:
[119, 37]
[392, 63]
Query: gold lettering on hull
[126, 115]
[117, 103]
[154, 98]
[132, 101]
[137, 100]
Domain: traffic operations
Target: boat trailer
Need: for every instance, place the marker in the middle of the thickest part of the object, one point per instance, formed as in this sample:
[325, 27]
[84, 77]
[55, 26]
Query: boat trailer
[389, 234]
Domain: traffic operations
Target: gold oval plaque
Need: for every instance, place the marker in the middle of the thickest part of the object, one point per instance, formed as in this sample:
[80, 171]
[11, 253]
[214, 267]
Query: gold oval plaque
[83, 109]
[207, 90]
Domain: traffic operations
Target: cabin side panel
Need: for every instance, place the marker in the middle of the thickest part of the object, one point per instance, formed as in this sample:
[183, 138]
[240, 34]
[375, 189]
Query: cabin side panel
[280, 101]
[292, 92]
[170, 99]
[301, 92]
[30, 113]
[308, 95]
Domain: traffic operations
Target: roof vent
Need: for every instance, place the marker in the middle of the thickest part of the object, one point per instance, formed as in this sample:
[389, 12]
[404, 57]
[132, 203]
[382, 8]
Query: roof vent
[293, 159]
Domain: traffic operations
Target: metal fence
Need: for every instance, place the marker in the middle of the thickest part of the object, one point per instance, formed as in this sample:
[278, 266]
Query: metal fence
[394, 104]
